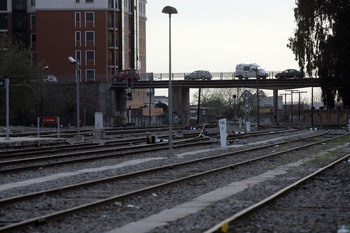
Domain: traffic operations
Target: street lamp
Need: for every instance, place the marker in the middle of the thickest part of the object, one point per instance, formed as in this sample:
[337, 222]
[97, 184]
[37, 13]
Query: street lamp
[170, 10]
[41, 90]
[76, 63]
[257, 98]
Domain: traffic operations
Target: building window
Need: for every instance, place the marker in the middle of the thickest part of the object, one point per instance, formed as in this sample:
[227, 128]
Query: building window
[77, 19]
[89, 18]
[117, 4]
[90, 56]
[3, 21]
[77, 1]
[125, 40]
[32, 21]
[32, 2]
[126, 63]
[89, 1]
[19, 5]
[77, 38]
[125, 5]
[78, 55]
[90, 75]
[90, 37]
[3, 5]
[33, 39]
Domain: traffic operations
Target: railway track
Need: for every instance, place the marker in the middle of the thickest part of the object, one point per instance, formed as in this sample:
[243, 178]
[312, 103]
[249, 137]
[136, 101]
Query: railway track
[241, 221]
[137, 183]
[86, 154]
[17, 160]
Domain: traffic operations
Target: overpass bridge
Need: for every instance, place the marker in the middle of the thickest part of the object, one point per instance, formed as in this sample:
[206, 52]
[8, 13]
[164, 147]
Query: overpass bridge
[181, 89]
[270, 84]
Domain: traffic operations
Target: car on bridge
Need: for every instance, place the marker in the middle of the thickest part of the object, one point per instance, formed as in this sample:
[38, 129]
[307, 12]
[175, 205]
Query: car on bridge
[125, 74]
[199, 74]
[289, 73]
[252, 70]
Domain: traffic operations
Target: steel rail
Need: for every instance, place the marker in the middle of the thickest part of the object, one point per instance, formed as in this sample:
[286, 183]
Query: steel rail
[63, 213]
[217, 228]
[112, 154]
[115, 151]
[194, 161]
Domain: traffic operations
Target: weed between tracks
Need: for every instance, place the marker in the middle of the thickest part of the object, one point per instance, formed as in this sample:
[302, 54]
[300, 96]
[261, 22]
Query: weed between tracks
[326, 157]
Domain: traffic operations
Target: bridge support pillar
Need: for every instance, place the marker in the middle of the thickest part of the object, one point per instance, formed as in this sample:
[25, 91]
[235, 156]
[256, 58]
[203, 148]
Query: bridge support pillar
[120, 108]
[181, 104]
[275, 106]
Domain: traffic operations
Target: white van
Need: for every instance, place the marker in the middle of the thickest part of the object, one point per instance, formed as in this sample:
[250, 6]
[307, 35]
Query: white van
[250, 71]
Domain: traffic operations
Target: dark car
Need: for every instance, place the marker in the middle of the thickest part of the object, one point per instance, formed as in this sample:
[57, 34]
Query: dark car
[125, 74]
[199, 74]
[289, 73]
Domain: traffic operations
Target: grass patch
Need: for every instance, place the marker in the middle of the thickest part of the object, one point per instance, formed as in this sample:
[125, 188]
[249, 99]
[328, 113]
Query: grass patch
[311, 140]
[343, 139]
[326, 158]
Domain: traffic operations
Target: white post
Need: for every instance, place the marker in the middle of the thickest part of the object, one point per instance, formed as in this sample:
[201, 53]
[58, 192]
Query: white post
[223, 134]
[248, 126]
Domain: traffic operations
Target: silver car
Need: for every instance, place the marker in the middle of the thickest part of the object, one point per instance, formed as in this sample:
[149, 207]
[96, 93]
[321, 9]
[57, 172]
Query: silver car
[199, 74]
[51, 79]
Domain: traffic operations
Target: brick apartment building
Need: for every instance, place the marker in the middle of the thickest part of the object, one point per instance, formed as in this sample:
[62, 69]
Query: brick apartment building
[105, 36]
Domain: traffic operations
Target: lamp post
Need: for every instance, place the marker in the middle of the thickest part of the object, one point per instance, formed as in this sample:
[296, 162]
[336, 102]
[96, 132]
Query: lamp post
[41, 91]
[257, 99]
[76, 63]
[170, 10]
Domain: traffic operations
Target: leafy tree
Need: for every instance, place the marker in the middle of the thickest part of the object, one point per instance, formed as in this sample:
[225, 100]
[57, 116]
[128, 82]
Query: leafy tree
[16, 64]
[321, 44]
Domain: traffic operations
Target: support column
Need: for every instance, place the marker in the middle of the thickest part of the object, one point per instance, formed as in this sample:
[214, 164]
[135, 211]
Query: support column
[181, 103]
[275, 106]
[121, 106]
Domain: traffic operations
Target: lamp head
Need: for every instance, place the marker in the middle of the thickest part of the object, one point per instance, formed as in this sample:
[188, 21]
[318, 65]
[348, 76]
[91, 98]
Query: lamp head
[72, 60]
[169, 10]
[45, 67]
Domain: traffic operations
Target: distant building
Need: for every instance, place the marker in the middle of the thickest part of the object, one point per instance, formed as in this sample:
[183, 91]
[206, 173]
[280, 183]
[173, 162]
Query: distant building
[105, 36]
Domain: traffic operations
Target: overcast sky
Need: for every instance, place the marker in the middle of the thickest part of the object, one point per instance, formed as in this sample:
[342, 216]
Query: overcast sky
[216, 35]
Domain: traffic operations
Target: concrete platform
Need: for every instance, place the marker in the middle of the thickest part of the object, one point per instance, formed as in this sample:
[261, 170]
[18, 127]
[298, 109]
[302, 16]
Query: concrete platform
[27, 141]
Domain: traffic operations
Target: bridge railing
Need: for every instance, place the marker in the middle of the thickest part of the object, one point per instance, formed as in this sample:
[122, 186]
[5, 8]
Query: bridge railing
[216, 76]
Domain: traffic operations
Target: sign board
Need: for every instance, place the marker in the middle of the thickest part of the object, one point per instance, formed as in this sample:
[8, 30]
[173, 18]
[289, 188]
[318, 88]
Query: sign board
[49, 119]
[223, 134]
[2, 82]
[98, 120]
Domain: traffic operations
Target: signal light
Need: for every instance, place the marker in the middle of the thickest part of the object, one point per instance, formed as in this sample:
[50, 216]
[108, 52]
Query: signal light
[130, 82]
[129, 95]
